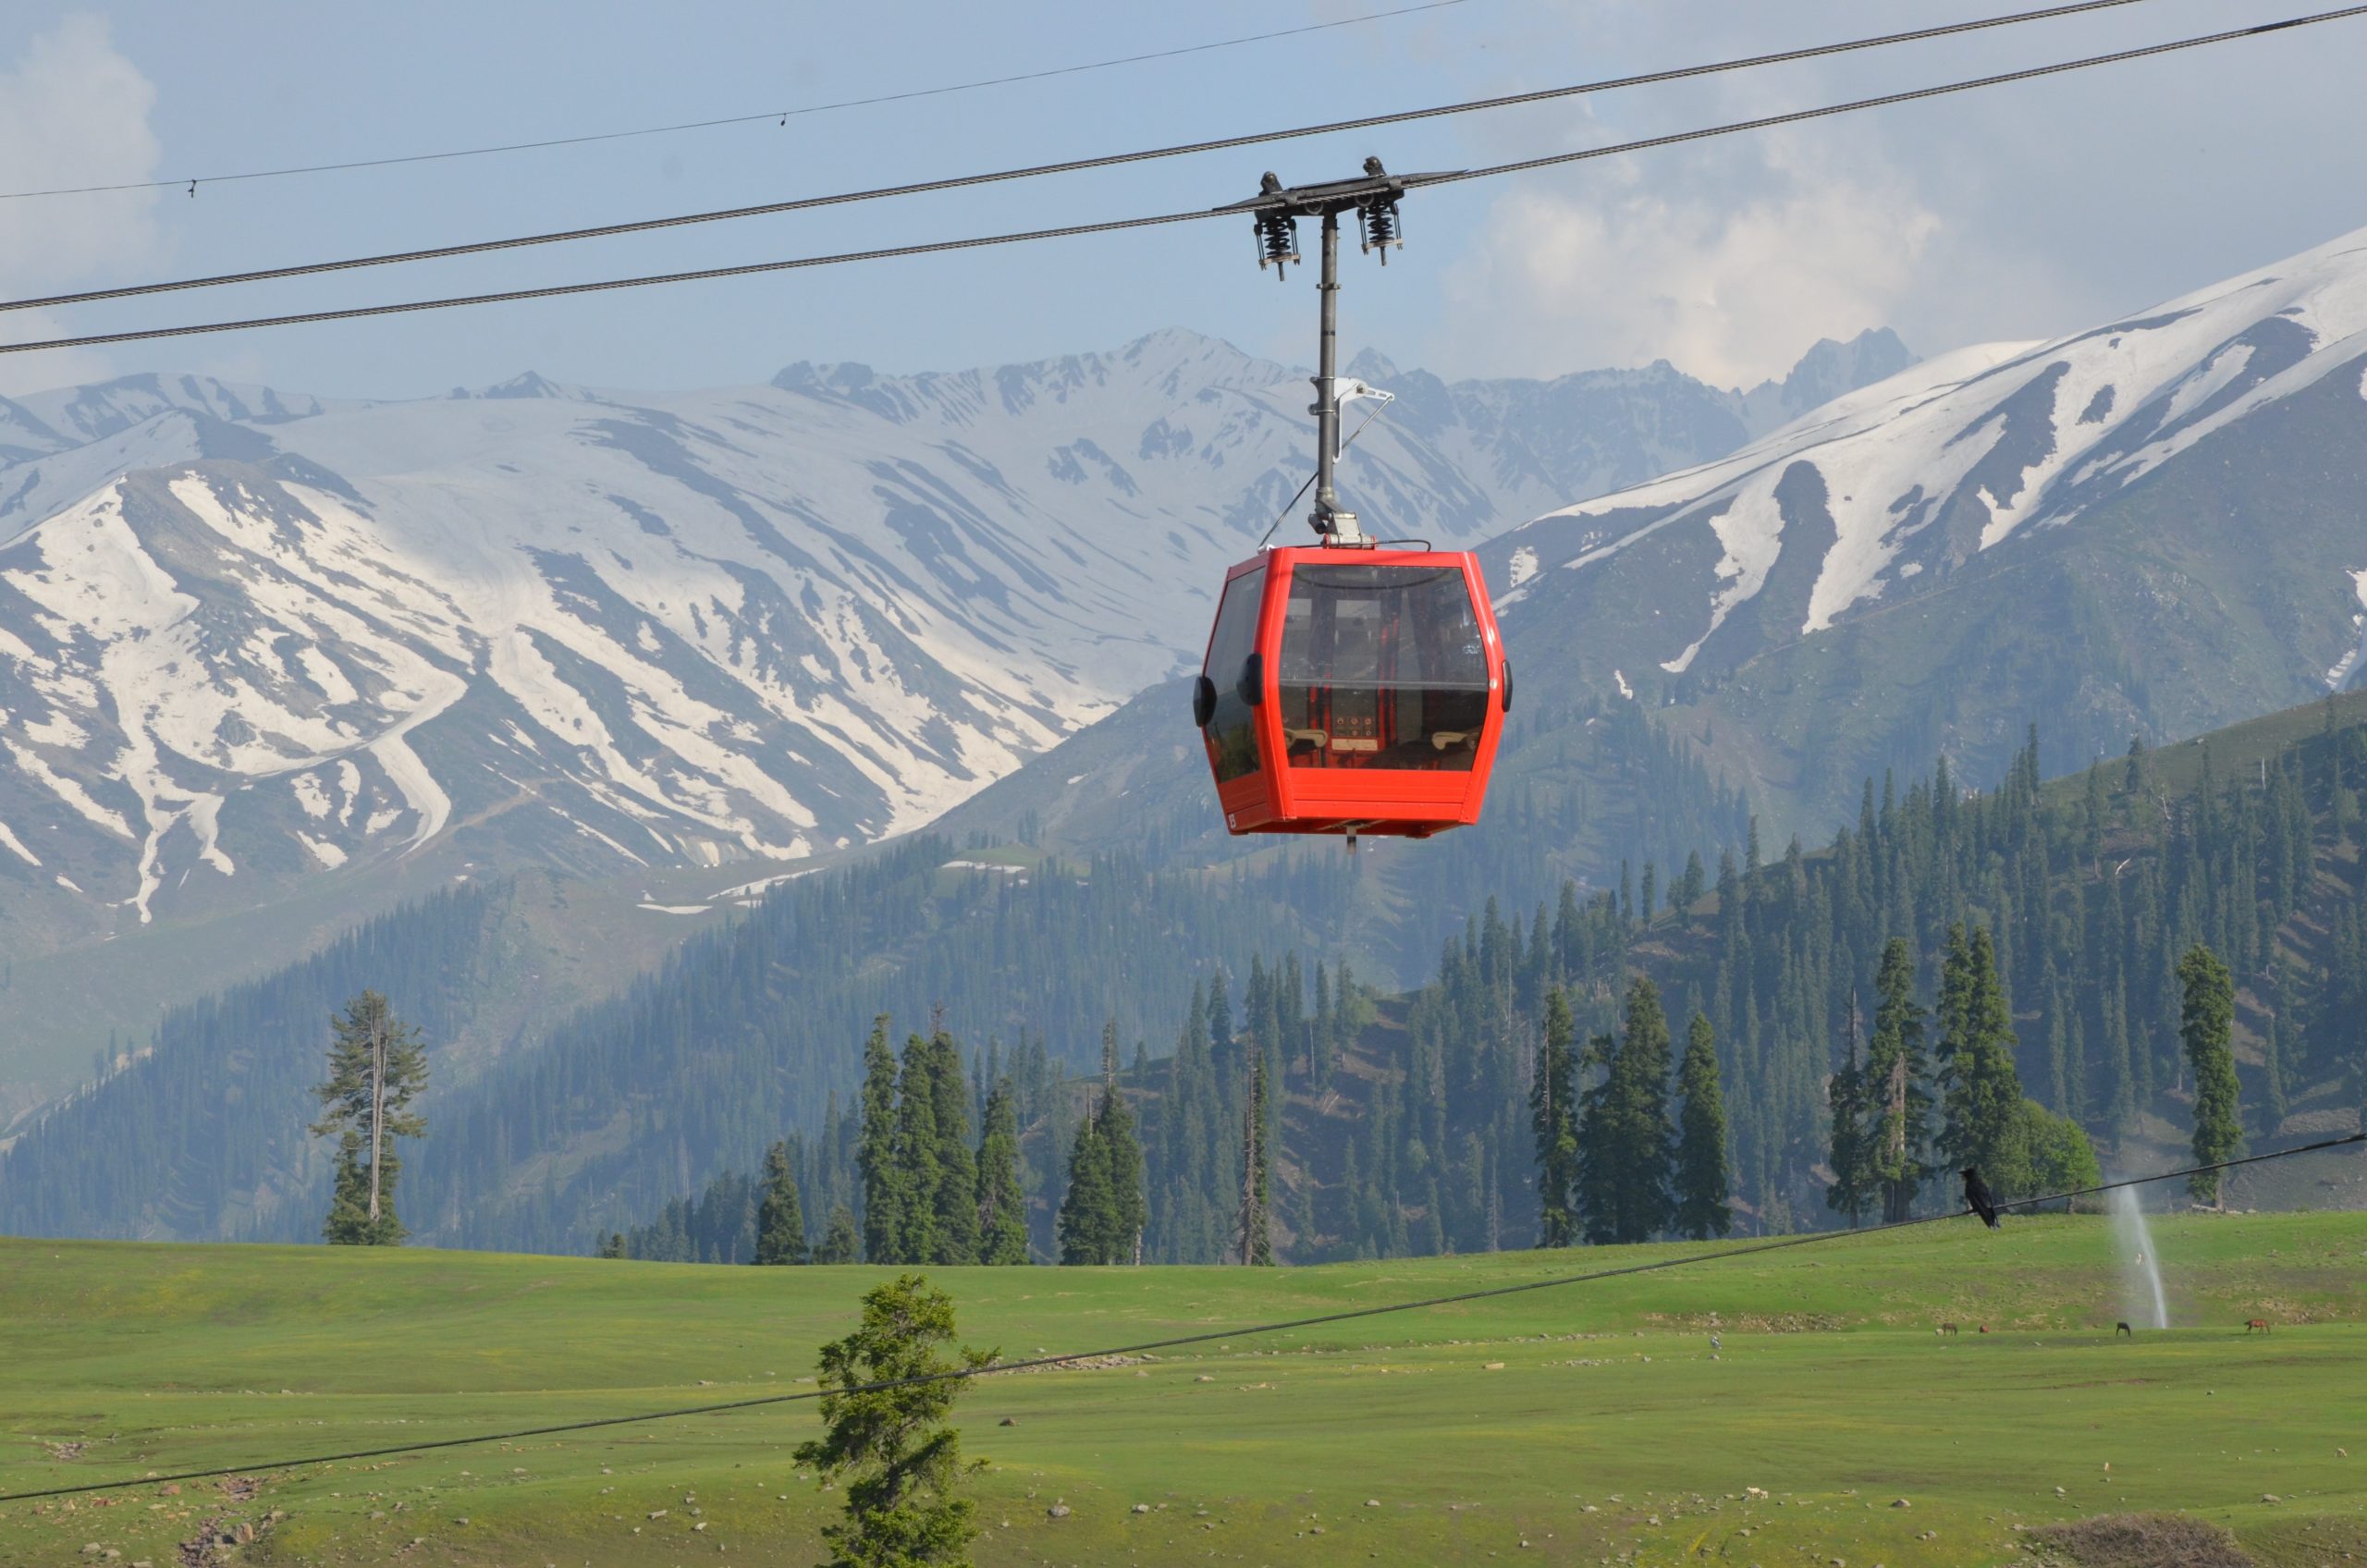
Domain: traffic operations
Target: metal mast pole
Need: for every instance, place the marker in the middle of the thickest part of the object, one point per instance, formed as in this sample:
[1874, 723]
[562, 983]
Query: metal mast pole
[1336, 526]
[1274, 214]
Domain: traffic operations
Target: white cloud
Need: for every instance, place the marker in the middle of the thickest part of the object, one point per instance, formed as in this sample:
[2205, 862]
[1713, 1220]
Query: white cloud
[1730, 278]
[73, 111]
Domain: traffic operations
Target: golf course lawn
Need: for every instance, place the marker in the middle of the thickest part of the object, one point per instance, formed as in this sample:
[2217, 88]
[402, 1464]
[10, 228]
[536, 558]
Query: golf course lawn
[1578, 1424]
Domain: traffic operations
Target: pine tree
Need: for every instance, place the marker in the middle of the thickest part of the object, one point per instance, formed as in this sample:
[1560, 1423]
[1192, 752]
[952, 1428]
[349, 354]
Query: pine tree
[953, 1197]
[1121, 1157]
[887, 1395]
[1703, 1179]
[612, 1245]
[1850, 1148]
[1982, 1106]
[1644, 1139]
[1002, 1204]
[2206, 1026]
[377, 1065]
[781, 1220]
[1086, 1209]
[1256, 1235]
[1598, 1198]
[883, 1173]
[840, 1242]
[1897, 1073]
[1553, 1118]
[917, 1148]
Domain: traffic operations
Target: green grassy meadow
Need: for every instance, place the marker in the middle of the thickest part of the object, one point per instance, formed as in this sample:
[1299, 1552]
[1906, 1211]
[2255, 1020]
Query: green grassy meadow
[1573, 1425]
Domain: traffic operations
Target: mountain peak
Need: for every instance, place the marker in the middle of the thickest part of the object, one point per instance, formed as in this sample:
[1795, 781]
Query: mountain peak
[1827, 371]
[527, 384]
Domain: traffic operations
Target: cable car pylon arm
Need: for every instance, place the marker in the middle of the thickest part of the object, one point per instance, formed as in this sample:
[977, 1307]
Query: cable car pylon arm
[1274, 214]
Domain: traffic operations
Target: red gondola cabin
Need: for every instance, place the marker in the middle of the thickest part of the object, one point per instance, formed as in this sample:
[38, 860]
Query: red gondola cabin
[1353, 690]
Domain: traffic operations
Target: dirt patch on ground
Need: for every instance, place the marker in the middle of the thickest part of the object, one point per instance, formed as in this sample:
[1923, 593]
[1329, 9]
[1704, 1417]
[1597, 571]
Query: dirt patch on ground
[2144, 1540]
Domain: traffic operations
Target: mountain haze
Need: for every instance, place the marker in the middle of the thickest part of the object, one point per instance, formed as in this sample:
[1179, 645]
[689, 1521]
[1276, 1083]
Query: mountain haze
[256, 646]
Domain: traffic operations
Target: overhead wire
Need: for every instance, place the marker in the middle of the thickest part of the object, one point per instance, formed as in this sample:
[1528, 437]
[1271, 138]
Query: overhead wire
[548, 291]
[783, 115]
[1318, 1320]
[1033, 171]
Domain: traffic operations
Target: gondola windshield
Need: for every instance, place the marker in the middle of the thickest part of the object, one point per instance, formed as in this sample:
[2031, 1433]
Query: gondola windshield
[1231, 728]
[1383, 667]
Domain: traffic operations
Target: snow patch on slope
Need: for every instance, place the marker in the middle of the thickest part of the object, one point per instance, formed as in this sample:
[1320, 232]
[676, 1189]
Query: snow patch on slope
[2356, 657]
[2003, 439]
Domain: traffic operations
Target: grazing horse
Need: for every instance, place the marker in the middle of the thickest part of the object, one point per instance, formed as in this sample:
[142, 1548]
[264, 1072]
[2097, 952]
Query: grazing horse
[2257, 1326]
[2119, 1328]
[1946, 1329]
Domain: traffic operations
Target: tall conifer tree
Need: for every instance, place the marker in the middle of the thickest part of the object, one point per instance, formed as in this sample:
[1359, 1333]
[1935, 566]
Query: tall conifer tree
[1896, 1075]
[780, 1219]
[953, 1233]
[377, 1065]
[1849, 1107]
[1084, 1220]
[1255, 1233]
[875, 1156]
[1553, 1118]
[1122, 1155]
[1597, 1199]
[1002, 1202]
[2206, 1026]
[1703, 1179]
[1985, 1127]
[917, 1148]
[1644, 1136]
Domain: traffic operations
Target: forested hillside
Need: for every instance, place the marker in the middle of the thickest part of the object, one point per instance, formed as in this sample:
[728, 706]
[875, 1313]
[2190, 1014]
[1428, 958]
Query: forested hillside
[1406, 1127]
[742, 1036]
[1401, 1122]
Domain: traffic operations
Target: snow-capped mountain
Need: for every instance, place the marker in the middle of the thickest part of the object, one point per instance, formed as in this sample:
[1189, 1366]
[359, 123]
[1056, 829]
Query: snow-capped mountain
[246, 636]
[2153, 526]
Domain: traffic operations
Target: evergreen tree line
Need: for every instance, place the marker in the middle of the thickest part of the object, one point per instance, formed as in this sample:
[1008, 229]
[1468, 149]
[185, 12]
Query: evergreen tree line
[903, 1185]
[1469, 1115]
[2034, 915]
[1614, 1164]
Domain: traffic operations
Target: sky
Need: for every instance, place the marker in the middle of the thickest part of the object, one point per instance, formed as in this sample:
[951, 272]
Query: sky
[2015, 213]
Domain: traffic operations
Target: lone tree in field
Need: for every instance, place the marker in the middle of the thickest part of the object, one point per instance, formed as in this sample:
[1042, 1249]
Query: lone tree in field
[780, 1219]
[900, 1460]
[377, 1067]
[2206, 1025]
[1703, 1178]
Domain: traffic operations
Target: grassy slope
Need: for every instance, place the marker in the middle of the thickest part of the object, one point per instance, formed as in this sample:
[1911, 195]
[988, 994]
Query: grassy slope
[1609, 1430]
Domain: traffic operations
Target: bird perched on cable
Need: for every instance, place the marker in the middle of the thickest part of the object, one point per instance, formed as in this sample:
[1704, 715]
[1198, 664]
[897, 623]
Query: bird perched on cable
[1976, 1198]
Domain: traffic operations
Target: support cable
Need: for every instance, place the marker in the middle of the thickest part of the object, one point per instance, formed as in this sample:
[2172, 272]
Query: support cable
[782, 115]
[1114, 224]
[964, 1374]
[916, 188]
